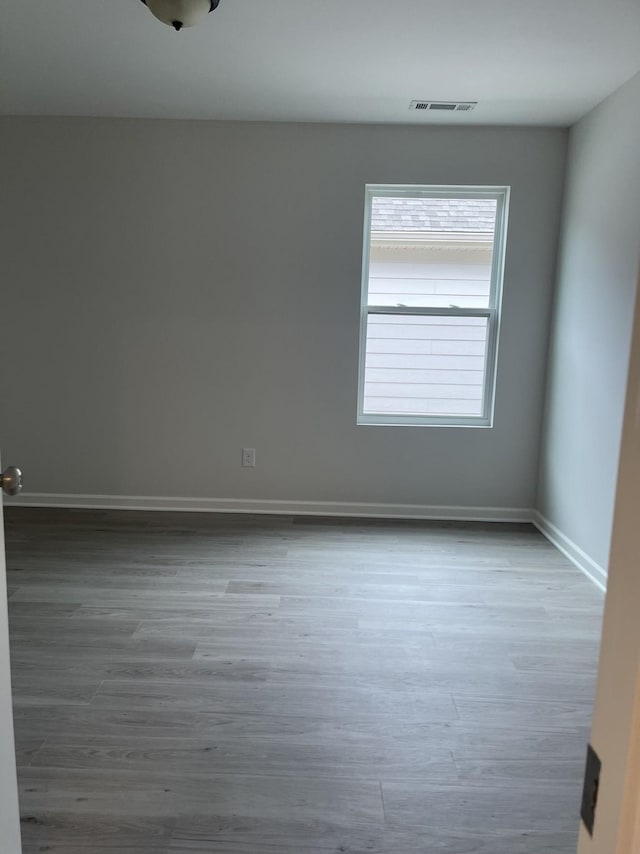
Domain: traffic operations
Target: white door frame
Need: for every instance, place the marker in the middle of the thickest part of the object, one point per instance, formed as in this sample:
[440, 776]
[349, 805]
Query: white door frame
[616, 719]
[9, 809]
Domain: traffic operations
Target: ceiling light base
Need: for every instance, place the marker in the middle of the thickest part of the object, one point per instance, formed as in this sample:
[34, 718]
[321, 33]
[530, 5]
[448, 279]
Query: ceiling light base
[181, 13]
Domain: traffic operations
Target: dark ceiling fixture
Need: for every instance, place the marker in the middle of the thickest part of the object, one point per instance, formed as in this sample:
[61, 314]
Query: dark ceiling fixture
[181, 13]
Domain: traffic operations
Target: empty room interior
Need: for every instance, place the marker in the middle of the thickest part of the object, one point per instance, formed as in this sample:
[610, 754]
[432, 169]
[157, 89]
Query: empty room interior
[319, 428]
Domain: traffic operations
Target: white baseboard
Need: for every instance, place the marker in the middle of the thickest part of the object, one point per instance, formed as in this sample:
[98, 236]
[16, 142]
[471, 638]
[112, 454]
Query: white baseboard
[265, 506]
[569, 549]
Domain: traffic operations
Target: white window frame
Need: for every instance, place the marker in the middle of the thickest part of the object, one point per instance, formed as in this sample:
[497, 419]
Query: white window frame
[492, 313]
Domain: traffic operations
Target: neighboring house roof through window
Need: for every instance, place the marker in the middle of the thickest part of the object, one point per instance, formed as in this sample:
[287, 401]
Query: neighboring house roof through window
[433, 215]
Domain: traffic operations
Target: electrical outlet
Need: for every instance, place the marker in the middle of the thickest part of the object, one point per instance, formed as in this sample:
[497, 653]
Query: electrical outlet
[248, 458]
[590, 791]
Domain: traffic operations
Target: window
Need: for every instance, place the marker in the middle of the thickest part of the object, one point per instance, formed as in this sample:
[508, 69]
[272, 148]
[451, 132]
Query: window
[432, 281]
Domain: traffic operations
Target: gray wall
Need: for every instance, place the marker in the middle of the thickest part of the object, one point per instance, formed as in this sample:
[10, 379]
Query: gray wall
[173, 291]
[596, 290]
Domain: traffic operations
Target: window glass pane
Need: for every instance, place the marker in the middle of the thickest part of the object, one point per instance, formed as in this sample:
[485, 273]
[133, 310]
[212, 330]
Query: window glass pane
[430, 252]
[417, 365]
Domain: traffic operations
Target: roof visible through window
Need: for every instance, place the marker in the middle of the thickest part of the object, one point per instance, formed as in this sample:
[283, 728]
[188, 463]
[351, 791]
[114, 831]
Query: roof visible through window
[477, 216]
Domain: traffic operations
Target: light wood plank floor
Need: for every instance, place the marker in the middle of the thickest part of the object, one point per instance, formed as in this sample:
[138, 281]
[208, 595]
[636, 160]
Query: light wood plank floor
[242, 685]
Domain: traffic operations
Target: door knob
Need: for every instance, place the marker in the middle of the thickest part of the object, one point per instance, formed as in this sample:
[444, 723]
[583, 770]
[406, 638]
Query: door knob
[11, 479]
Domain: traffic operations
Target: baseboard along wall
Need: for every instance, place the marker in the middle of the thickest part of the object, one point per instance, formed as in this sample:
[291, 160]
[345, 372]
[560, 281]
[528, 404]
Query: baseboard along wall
[368, 510]
[596, 573]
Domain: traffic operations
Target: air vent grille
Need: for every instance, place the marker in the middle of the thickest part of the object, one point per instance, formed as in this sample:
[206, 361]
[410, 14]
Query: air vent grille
[443, 106]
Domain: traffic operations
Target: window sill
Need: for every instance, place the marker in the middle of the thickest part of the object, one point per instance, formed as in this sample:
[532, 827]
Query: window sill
[418, 421]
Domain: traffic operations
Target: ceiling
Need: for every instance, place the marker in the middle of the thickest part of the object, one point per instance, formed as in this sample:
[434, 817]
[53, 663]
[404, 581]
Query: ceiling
[535, 62]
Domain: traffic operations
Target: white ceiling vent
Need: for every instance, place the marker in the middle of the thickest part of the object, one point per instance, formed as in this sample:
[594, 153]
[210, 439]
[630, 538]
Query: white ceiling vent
[443, 106]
